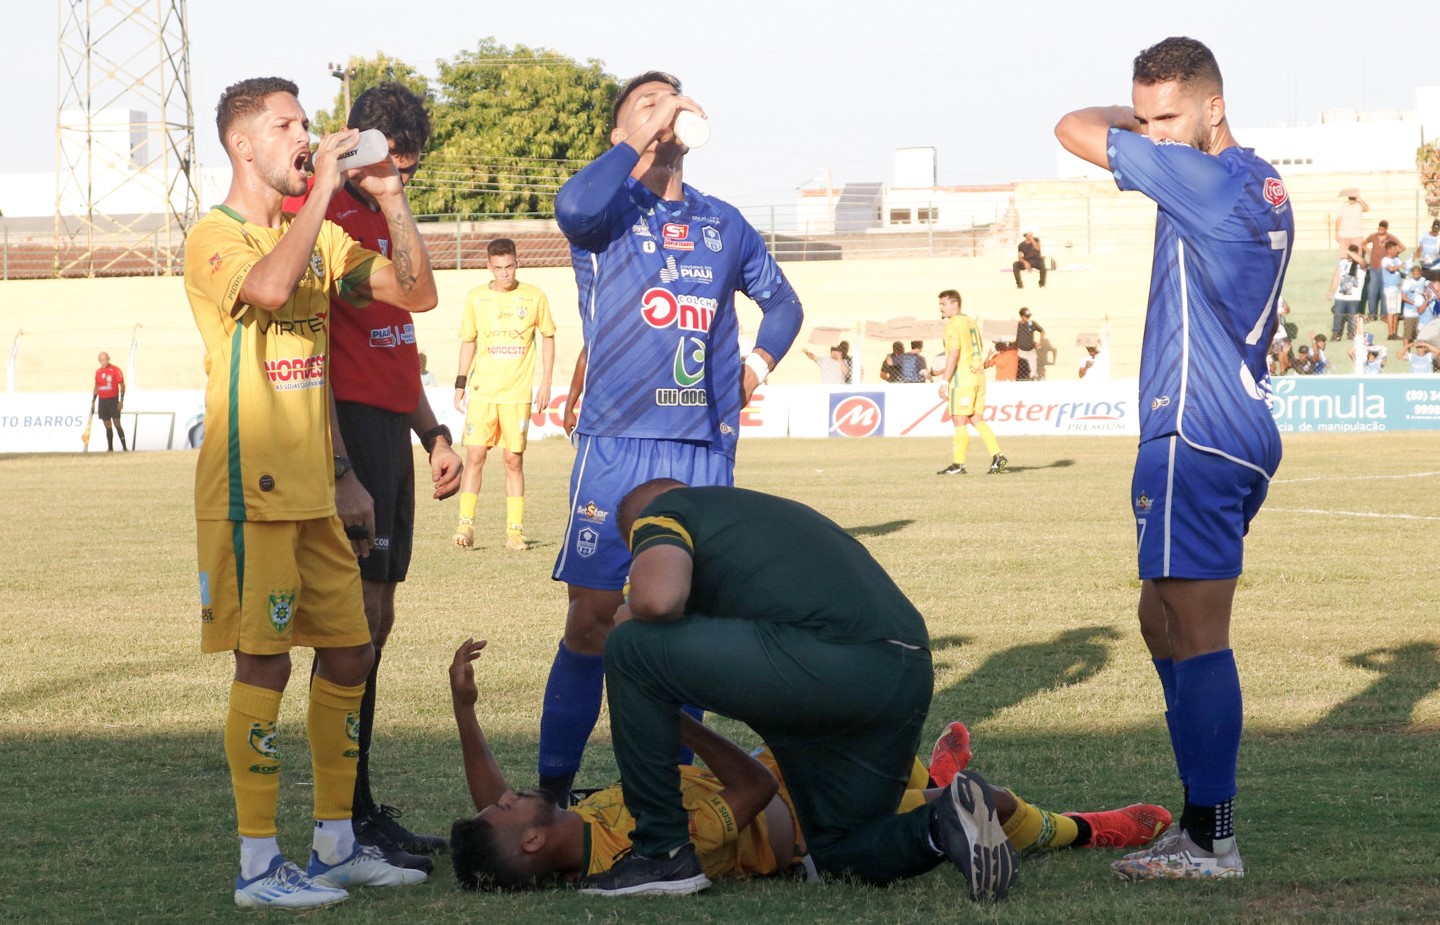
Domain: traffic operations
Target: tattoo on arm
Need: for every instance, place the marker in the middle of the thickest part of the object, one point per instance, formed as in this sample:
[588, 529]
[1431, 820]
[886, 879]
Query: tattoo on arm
[402, 248]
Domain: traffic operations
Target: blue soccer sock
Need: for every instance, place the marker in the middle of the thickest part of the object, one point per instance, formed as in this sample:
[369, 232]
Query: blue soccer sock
[1209, 716]
[1165, 668]
[572, 707]
[686, 755]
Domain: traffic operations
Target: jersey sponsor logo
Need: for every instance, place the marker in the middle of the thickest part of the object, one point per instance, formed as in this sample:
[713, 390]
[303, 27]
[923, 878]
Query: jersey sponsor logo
[282, 609]
[312, 325]
[680, 245]
[689, 362]
[204, 589]
[662, 308]
[1144, 503]
[587, 541]
[215, 262]
[711, 235]
[589, 513]
[297, 373]
[1275, 193]
[392, 335]
[701, 274]
[1160, 401]
[506, 350]
[674, 231]
[641, 230]
[383, 246]
[647, 246]
[857, 414]
[670, 272]
[681, 398]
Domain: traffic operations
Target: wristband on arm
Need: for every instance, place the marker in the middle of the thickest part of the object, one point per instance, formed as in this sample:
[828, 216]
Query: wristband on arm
[757, 363]
[460, 382]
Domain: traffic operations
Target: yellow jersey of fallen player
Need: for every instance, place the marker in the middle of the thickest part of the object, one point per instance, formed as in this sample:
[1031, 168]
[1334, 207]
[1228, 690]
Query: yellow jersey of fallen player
[503, 326]
[267, 452]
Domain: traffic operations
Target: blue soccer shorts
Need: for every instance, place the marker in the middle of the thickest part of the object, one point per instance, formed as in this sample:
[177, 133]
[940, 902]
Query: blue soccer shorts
[1192, 510]
[593, 554]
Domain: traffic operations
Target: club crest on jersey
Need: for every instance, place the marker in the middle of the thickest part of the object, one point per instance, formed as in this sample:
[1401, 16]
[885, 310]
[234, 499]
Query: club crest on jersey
[282, 609]
[712, 238]
[586, 541]
[317, 265]
[1275, 193]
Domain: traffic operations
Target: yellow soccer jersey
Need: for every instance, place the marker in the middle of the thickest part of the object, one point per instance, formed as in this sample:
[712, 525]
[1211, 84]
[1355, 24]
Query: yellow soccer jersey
[723, 851]
[503, 326]
[266, 454]
[963, 334]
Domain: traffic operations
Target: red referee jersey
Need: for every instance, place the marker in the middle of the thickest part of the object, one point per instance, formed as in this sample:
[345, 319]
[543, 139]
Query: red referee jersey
[374, 360]
[108, 380]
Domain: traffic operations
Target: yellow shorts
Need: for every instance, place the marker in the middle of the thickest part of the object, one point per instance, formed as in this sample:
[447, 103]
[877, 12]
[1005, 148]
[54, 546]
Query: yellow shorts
[267, 586]
[497, 425]
[967, 398]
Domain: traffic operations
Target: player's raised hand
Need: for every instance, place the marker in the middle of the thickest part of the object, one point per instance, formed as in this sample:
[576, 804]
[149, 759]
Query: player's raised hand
[380, 179]
[462, 673]
[328, 175]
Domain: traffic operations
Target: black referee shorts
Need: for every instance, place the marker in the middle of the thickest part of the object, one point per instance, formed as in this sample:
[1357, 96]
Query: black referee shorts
[109, 408]
[378, 442]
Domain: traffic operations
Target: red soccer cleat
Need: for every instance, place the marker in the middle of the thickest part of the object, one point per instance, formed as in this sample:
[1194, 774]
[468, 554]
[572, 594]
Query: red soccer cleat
[1131, 827]
[950, 755]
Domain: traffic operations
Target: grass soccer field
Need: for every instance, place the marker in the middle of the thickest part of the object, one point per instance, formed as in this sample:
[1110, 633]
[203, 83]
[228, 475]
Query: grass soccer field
[117, 804]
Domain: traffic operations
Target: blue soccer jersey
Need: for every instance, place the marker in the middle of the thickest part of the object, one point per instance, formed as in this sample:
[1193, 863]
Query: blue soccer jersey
[657, 283]
[1223, 238]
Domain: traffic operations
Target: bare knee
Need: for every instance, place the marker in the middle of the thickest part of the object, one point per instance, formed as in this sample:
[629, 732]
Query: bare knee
[347, 666]
[590, 618]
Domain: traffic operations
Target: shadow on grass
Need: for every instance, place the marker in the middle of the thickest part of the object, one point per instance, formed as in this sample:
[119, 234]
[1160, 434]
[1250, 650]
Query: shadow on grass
[1408, 674]
[1013, 675]
[891, 526]
[1055, 464]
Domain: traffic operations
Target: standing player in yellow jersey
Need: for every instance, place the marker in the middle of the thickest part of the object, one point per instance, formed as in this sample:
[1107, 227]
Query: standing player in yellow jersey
[497, 371]
[963, 382]
[277, 566]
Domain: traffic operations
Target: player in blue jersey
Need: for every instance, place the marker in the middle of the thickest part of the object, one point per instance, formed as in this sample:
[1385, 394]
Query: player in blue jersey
[657, 265]
[1208, 445]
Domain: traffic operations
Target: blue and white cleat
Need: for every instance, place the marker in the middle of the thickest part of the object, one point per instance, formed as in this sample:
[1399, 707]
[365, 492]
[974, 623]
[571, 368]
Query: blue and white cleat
[285, 886]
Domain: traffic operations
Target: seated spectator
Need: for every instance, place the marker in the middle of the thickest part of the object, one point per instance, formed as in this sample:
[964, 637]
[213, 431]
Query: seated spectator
[1421, 357]
[1304, 364]
[1006, 360]
[1030, 259]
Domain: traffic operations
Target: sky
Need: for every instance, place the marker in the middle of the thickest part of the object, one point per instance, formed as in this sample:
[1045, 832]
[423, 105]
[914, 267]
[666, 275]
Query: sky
[792, 89]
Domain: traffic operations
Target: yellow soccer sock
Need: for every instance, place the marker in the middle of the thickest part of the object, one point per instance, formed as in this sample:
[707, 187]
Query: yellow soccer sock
[333, 724]
[914, 795]
[992, 446]
[961, 444]
[254, 761]
[515, 514]
[1033, 827]
[468, 500]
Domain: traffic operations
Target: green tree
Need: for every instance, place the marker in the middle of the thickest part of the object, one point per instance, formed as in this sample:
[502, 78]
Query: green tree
[367, 72]
[511, 125]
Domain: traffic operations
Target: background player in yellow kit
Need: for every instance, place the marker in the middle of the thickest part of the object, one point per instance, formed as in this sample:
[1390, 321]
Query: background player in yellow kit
[963, 382]
[497, 371]
[742, 821]
[276, 568]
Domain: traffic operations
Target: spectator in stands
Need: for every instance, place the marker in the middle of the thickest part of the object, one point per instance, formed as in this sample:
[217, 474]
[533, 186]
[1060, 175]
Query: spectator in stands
[1030, 259]
[1375, 248]
[1427, 252]
[109, 394]
[1317, 354]
[1006, 360]
[1375, 357]
[847, 365]
[1414, 296]
[426, 376]
[1421, 357]
[832, 370]
[890, 366]
[1087, 362]
[1392, 272]
[1348, 229]
[1281, 354]
[1347, 284]
[913, 366]
[1028, 335]
[1304, 364]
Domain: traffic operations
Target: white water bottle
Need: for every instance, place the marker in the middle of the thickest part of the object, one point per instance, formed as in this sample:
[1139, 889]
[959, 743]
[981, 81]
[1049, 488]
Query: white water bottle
[692, 129]
[372, 148]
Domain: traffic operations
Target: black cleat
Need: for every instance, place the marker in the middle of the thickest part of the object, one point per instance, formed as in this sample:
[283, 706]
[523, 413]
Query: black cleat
[998, 464]
[384, 820]
[953, 469]
[634, 875]
[367, 834]
[973, 839]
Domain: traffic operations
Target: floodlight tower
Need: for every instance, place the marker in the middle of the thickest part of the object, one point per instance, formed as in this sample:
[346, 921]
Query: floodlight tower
[126, 185]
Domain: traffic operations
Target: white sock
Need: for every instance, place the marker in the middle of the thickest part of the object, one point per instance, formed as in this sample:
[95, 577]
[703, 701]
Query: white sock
[256, 855]
[334, 840]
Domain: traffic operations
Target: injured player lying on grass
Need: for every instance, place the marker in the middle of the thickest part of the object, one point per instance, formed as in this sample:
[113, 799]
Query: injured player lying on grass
[741, 820]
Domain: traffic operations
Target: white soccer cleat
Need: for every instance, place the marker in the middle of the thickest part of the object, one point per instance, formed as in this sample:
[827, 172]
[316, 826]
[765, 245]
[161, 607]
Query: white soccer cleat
[285, 886]
[1179, 858]
[366, 867]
